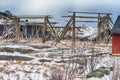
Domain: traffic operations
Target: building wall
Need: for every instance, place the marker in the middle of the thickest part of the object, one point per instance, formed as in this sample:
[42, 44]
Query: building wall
[115, 44]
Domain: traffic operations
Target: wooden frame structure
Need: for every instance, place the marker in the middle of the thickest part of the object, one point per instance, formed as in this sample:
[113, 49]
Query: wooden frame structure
[102, 19]
[15, 21]
[44, 25]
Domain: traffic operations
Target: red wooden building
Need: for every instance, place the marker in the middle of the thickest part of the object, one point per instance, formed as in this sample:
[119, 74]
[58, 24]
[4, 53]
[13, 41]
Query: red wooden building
[116, 38]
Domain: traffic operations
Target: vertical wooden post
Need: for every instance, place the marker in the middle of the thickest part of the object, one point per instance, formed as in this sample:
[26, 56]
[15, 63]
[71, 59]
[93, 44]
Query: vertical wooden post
[107, 25]
[44, 29]
[73, 29]
[17, 27]
[99, 28]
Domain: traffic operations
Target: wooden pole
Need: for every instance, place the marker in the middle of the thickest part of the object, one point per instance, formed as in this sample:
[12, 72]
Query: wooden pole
[90, 12]
[44, 29]
[17, 26]
[73, 30]
[108, 27]
[99, 29]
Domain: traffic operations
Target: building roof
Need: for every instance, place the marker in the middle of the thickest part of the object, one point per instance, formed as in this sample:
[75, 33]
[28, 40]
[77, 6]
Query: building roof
[116, 28]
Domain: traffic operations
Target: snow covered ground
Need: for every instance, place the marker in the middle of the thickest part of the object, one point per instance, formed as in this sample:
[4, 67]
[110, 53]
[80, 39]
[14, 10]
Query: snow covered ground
[45, 62]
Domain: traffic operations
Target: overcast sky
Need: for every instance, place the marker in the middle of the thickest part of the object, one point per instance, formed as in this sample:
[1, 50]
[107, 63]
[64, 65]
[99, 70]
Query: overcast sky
[58, 8]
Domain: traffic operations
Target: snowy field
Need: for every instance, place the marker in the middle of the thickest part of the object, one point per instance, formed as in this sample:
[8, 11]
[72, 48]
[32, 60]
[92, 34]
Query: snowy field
[48, 62]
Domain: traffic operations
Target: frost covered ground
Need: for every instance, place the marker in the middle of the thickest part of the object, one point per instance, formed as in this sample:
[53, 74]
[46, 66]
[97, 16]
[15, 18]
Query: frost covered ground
[48, 62]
